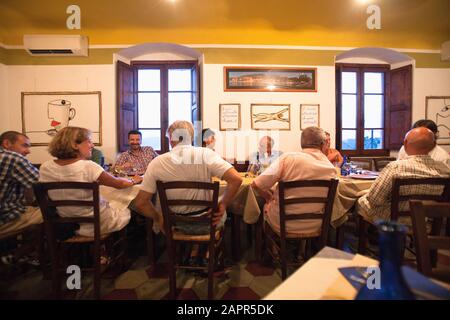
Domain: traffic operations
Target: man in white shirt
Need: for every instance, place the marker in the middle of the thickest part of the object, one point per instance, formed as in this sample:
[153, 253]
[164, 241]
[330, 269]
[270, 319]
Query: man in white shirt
[187, 163]
[437, 153]
[264, 157]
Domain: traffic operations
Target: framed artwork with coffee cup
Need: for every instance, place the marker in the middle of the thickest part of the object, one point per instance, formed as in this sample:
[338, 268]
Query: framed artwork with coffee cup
[45, 113]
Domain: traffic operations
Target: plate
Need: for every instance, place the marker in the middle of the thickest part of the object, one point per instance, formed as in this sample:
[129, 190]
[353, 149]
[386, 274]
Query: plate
[362, 176]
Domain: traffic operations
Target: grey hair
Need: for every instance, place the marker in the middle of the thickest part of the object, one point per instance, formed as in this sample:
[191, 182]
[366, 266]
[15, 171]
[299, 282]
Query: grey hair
[313, 137]
[181, 131]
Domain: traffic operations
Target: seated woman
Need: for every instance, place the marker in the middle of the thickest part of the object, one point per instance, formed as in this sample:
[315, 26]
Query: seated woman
[72, 146]
[333, 155]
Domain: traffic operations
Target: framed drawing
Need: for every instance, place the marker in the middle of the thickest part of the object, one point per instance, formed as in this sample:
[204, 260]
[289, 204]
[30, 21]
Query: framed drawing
[230, 116]
[309, 115]
[437, 108]
[45, 113]
[270, 116]
[270, 79]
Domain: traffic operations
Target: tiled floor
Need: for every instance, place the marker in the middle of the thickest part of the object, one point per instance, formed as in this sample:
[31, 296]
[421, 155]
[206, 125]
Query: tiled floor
[246, 279]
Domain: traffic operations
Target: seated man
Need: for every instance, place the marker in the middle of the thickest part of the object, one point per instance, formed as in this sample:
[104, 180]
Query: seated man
[437, 153]
[17, 176]
[208, 139]
[136, 159]
[308, 164]
[333, 155]
[418, 143]
[180, 165]
[264, 157]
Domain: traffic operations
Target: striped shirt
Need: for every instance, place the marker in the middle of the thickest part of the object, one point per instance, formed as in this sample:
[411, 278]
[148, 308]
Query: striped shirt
[16, 174]
[138, 160]
[377, 203]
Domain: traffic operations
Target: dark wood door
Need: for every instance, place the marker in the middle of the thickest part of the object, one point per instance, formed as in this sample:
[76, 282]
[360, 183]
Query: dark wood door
[126, 104]
[399, 113]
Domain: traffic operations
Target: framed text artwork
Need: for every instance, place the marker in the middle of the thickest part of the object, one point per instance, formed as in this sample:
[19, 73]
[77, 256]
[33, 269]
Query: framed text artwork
[437, 108]
[230, 116]
[272, 79]
[309, 115]
[270, 116]
[45, 113]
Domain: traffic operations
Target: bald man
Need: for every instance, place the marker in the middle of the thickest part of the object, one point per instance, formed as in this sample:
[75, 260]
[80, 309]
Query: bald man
[376, 204]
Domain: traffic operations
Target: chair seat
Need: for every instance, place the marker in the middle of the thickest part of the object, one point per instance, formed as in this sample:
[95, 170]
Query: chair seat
[180, 236]
[83, 239]
[295, 235]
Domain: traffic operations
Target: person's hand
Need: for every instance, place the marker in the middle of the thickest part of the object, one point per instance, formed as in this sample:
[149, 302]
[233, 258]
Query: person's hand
[137, 179]
[217, 216]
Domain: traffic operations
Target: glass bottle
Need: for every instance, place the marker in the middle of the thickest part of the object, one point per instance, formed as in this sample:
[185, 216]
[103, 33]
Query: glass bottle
[344, 167]
[392, 283]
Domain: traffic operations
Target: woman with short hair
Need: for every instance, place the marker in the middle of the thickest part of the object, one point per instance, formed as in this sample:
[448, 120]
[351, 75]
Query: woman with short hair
[72, 147]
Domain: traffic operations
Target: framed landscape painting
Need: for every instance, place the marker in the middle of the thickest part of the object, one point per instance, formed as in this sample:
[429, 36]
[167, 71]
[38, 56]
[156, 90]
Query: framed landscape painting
[270, 79]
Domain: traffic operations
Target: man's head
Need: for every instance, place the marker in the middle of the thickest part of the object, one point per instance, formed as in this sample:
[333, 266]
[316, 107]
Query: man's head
[419, 141]
[15, 141]
[265, 144]
[313, 137]
[180, 132]
[134, 140]
[429, 124]
[209, 138]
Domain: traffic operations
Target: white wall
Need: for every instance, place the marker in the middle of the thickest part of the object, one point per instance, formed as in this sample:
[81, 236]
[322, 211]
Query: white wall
[4, 119]
[62, 78]
[246, 139]
[429, 82]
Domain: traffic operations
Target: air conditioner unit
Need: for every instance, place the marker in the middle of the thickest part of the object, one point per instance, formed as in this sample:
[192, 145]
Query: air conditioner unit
[445, 51]
[56, 45]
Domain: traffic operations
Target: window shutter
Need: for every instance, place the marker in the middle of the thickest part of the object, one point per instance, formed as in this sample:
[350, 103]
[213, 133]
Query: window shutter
[126, 104]
[399, 113]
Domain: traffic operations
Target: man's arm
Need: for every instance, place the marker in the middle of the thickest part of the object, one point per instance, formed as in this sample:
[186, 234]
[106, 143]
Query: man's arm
[234, 181]
[143, 205]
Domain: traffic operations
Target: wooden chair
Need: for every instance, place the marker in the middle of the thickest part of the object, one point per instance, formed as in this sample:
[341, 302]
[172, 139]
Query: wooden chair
[397, 198]
[363, 163]
[58, 248]
[427, 244]
[278, 239]
[382, 162]
[214, 239]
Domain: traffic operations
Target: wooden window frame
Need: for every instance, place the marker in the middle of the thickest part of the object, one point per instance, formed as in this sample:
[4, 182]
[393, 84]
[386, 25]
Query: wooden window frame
[360, 69]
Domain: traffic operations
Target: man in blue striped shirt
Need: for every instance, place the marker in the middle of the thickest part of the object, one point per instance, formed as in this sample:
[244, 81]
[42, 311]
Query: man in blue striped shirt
[17, 175]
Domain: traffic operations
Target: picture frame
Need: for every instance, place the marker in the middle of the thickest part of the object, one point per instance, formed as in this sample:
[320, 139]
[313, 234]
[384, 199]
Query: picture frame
[229, 116]
[269, 116]
[270, 79]
[45, 113]
[309, 115]
[437, 108]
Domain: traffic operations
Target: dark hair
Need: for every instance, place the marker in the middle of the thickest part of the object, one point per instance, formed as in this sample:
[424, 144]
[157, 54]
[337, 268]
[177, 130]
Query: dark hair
[11, 136]
[134, 132]
[429, 124]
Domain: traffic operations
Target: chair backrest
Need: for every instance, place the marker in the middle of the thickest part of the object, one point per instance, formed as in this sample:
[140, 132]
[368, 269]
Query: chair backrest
[382, 162]
[171, 217]
[49, 207]
[327, 201]
[425, 243]
[419, 194]
[364, 163]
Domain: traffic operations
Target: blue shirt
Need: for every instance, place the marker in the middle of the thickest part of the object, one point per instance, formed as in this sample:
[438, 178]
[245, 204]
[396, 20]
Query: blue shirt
[16, 174]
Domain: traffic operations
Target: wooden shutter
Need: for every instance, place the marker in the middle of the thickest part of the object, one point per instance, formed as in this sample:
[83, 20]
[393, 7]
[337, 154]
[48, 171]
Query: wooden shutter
[196, 116]
[126, 104]
[399, 112]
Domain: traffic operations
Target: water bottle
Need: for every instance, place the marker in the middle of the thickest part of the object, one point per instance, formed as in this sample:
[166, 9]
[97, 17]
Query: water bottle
[345, 167]
[392, 283]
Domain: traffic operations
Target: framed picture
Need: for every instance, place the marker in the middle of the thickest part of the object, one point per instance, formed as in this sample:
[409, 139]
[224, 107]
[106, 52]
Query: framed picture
[45, 113]
[230, 116]
[270, 116]
[309, 115]
[437, 108]
[270, 79]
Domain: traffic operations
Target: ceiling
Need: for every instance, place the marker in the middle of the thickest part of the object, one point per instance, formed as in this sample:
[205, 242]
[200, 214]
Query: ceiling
[421, 24]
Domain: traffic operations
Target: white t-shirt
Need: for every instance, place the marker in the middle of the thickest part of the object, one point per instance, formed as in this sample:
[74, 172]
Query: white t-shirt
[111, 219]
[437, 154]
[185, 163]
